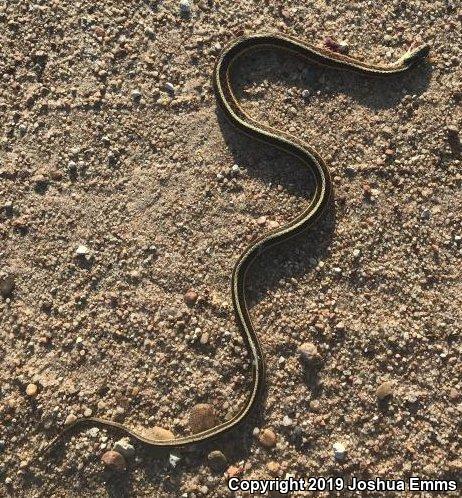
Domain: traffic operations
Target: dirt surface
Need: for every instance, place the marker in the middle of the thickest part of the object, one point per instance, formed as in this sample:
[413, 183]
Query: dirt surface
[118, 194]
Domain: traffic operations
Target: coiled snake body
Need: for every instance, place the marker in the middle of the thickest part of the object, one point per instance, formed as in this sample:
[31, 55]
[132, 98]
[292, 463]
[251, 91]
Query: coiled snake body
[323, 189]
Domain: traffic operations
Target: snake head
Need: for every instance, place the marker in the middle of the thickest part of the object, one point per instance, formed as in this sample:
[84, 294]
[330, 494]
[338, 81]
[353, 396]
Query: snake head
[415, 55]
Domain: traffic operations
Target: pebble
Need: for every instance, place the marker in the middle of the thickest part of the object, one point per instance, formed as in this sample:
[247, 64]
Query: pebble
[202, 417]
[82, 250]
[87, 412]
[234, 471]
[267, 438]
[309, 353]
[339, 451]
[190, 298]
[351, 170]
[173, 460]
[261, 220]
[70, 419]
[385, 390]
[169, 87]
[8, 207]
[336, 46]
[31, 390]
[125, 448]
[273, 468]
[305, 94]
[217, 460]
[315, 405]
[185, 7]
[136, 94]
[454, 394]
[356, 253]
[7, 285]
[204, 338]
[114, 460]
[160, 433]
[287, 421]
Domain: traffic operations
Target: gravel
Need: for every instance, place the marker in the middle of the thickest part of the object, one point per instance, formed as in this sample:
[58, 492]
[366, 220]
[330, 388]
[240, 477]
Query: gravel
[114, 461]
[83, 162]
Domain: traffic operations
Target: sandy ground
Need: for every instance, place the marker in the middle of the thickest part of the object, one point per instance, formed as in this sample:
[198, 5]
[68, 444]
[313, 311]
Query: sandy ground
[96, 153]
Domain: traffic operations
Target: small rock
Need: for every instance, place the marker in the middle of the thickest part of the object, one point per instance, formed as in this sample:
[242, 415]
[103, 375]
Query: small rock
[190, 298]
[7, 285]
[70, 419]
[185, 8]
[8, 207]
[217, 460]
[93, 432]
[234, 471]
[336, 46]
[387, 131]
[315, 405]
[202, 417]
[125, 448]
[169, 87]
[173, 460]
[31, 390]
[356, 253]
[267, 438]
[309, 353]
[287, 421]
[204, 338]
[159, 433]
[261, 221]
[351, 170]
[136, 94]
[82, 251]
[339, 451]
[273, 468]
[149, 32]
[87, 412]
[305, 94]
[385, 390]
[114, 460]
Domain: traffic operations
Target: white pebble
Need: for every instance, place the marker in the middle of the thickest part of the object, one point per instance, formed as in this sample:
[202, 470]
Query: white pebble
[125, 448]
[82, 250]
[339, 451]
[286, 421]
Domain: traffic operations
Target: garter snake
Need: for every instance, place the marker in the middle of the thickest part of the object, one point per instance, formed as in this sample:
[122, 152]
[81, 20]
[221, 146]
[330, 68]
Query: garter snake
[323, 188]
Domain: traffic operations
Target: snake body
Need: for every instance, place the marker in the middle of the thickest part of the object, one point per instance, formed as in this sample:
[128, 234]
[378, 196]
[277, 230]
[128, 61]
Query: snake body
[323, 188]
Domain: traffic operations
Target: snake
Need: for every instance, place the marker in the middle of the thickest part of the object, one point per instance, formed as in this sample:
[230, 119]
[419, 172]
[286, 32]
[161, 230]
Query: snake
[306, 154]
